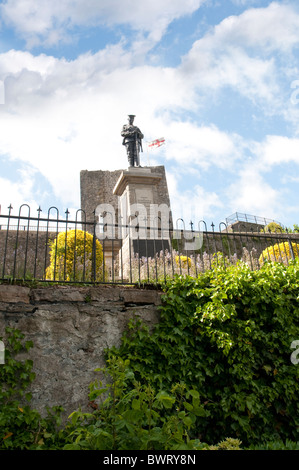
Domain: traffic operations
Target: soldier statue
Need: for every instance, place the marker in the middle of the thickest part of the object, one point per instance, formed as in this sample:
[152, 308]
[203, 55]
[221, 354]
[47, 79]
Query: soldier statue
[132, 139]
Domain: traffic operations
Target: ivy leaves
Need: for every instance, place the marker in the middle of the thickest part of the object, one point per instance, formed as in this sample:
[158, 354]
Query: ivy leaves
[136, 417]
[20, 426]
[227, 335]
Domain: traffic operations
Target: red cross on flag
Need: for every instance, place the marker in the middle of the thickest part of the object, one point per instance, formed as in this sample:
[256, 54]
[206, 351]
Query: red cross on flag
[157, 142]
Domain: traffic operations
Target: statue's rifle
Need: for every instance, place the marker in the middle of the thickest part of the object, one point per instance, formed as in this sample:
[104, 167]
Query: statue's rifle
[137, 148]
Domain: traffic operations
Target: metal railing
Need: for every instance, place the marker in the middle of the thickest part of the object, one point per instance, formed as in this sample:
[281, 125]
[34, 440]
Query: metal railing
[58, 249]
[252, 219]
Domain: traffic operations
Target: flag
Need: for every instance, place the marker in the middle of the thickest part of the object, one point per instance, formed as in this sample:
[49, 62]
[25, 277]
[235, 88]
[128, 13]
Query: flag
[157, 142]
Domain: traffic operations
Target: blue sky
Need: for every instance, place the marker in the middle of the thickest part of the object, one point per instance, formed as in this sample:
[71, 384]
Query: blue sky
[218, 80]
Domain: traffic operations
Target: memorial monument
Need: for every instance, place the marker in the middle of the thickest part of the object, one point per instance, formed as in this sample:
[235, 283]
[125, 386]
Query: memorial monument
[135, 199]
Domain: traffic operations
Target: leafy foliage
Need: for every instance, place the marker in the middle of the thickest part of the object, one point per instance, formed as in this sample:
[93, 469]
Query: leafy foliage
[276, 445]
[20, 426]
[72, 255]
[125, 418]
[134, 417]
[275, 227]
[272, 227]
[295, 229]
[217, 364]
[227, 335]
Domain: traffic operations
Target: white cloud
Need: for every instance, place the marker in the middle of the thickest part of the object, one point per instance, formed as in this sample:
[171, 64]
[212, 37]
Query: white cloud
[278, 150]
[290, 179]
[20, 191]
[191, 205]
[274, 27]
[245, 2]
[239, 53]
[64, 116]
[51, 21]
[252, 194]
[254, 191]
[200, 146]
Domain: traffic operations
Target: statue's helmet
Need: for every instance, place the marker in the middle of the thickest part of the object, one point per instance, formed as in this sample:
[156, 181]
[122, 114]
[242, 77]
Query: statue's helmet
[131, 116]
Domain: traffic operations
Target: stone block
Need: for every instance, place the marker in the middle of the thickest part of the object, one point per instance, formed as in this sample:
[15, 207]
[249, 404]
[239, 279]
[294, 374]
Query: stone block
[14, 294]
[60, 294]
[142, 297]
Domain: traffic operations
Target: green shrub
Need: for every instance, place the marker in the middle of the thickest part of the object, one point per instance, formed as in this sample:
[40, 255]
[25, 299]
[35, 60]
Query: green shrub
[272, 227]
[20, 426]
[227, 444]
[72, 257]
[134, 418]
[277, 445]
[227, 334]
[124, 418]
[295, 229]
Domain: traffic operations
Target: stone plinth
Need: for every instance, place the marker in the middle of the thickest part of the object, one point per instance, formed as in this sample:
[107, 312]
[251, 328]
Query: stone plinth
[144, 215]
[136, 177]
[137, 191]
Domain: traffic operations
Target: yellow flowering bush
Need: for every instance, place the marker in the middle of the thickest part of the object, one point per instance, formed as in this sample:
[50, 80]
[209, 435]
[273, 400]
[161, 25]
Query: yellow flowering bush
[183, 261]
[272, 227]
[280, 252]
[71, 256]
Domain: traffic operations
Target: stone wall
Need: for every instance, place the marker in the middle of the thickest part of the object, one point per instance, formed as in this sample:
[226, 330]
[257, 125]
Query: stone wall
[97, 188]
[24, 253]
[70, 328]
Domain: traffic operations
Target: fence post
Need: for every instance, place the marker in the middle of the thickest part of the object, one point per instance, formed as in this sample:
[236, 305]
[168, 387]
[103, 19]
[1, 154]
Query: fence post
[290, 246]
[6, 240]
[65, 243]
[94, 248]
[36, 242]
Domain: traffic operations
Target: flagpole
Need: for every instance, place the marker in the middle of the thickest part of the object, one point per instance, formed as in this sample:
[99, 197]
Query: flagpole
[147, 155]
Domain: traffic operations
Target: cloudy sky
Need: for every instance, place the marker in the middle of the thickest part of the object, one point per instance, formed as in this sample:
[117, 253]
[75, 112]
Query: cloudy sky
[219, 80]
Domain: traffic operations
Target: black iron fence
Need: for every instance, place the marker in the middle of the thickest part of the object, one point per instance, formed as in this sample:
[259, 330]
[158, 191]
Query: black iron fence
[74, 250]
